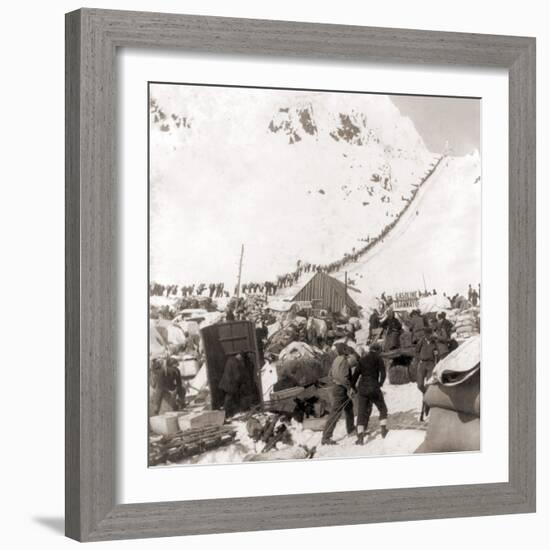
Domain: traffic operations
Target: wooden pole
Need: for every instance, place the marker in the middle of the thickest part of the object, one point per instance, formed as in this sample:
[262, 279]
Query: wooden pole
[345, 292]
[240, 272]
[346, 282]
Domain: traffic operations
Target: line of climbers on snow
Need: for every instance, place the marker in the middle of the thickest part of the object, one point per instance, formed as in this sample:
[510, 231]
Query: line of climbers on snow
[217, 290]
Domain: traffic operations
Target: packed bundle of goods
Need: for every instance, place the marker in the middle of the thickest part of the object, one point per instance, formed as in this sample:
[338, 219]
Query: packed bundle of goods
[196, 302]
[255, 301]
[300, 389]
[292, 332]
[433, 303]
[165, 337]
[467, 323]
[300, 364]
[452, 401]
[161, 312]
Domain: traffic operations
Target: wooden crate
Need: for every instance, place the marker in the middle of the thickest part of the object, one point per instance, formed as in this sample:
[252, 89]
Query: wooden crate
[201, 419]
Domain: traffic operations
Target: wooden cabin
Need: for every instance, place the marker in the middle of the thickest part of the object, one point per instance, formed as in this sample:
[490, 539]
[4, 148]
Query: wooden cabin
[329, 293]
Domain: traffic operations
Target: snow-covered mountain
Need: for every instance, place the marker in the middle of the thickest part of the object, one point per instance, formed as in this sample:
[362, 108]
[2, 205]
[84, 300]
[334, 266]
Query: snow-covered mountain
[292, 175]
[437, 240]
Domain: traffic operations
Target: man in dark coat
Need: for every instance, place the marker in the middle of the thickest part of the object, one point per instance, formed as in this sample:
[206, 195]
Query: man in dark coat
[261, 339]
[374, 323]
[165, 384]
[342, 392]
[426, 355]
[371, 374]
[392, 328]
[237, 383]
[417, 326]
[444, 329]
[229, 314]
[230, 383]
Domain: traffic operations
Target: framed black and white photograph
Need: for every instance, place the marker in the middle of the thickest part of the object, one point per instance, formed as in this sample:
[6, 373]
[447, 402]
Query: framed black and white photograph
[312, 254]
[300, 275]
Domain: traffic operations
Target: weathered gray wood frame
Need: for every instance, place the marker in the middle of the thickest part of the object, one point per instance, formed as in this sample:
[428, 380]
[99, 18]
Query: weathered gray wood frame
[92, 38]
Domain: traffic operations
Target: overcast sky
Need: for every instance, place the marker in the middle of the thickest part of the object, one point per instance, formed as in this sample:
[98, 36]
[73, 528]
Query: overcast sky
[442, 119]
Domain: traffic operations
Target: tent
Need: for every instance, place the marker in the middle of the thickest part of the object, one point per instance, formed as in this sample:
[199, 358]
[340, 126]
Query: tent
[157, 345]
[434, 303]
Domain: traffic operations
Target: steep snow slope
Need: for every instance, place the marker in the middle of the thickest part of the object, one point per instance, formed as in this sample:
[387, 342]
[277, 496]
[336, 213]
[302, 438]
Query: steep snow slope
[292, 175]
[439, 237]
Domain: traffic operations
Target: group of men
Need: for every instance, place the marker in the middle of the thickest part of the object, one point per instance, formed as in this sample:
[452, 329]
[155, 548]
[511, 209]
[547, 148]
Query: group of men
[156, 289]
[390, 326]
[268, 288]
[360, 378]
[215, 290]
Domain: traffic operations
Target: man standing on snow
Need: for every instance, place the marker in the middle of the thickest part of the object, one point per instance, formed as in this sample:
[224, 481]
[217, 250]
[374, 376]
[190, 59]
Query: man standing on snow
[342, 393]
[165, 385]
[392, 328]
[374, 323]
[371, 374]
[232, 382]
[426, 355]
[417, 326]
[261, 338]
[442, 334]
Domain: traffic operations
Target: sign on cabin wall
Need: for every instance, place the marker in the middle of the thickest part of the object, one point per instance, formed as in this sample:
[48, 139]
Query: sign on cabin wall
[406, 300]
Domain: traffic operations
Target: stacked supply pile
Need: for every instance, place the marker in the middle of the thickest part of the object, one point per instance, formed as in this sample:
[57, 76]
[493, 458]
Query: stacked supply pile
[300, 364]
[467, 323]
[279, 340]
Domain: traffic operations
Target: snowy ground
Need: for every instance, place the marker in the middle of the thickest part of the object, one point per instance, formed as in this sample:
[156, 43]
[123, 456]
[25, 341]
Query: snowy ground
[405, 435]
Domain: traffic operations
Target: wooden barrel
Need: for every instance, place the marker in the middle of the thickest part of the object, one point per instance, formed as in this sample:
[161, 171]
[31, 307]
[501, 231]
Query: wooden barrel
[398, 374]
